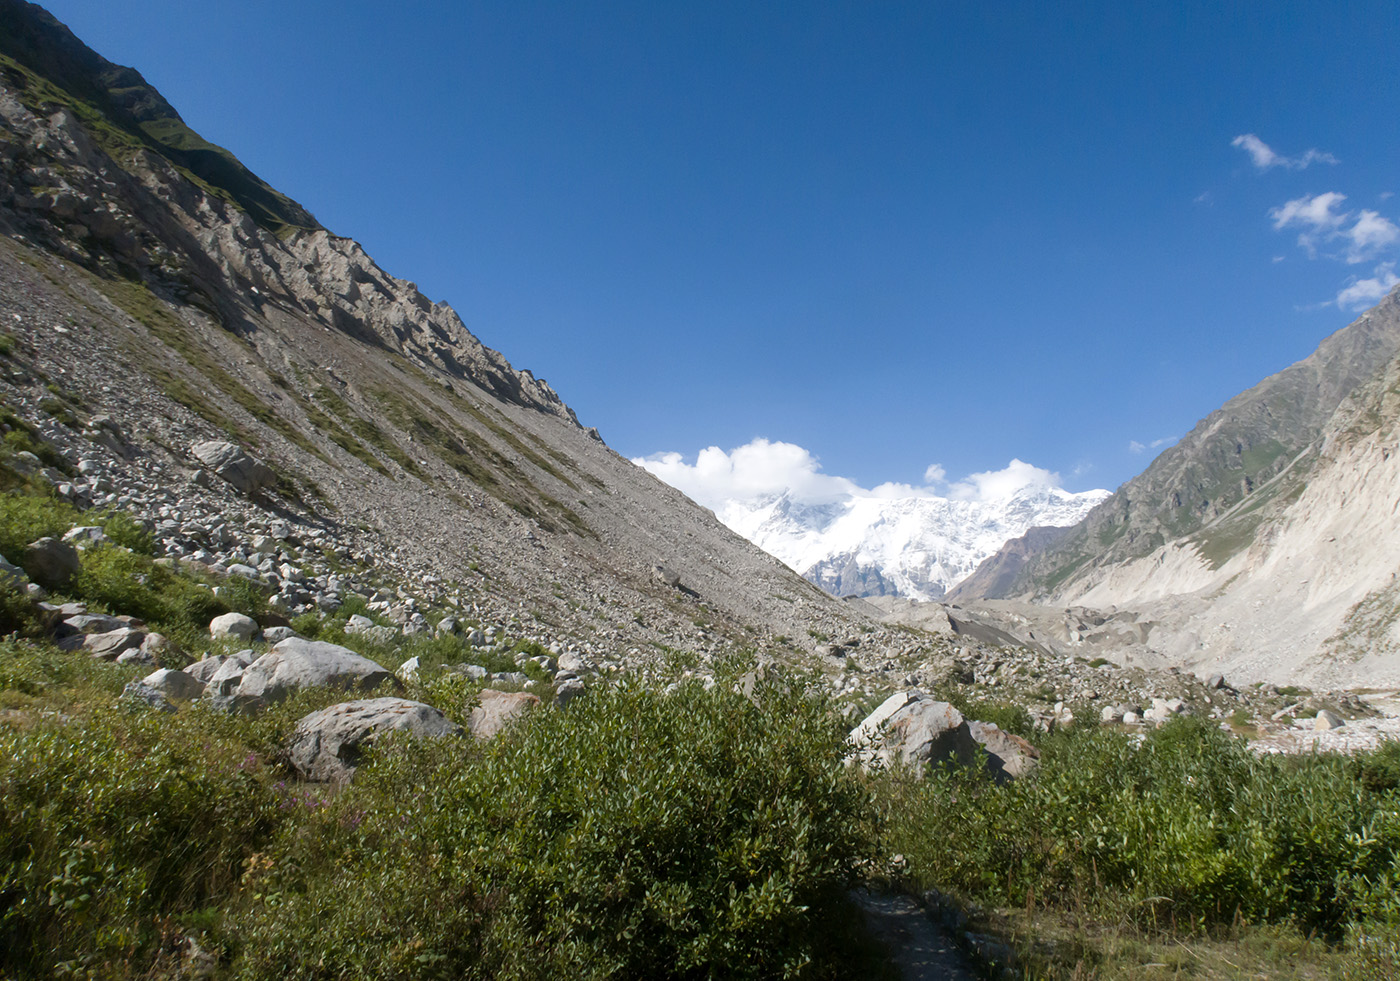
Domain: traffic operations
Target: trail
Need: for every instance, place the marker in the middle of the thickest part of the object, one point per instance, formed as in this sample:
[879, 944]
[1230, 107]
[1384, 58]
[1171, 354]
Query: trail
[920, 950]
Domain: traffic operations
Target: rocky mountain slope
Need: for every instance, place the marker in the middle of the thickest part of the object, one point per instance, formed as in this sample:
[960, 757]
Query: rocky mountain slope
[1266, 541]
[152, 286]
[914, 547]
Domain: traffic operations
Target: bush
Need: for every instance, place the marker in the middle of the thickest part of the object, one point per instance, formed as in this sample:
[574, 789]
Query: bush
[641, 834]
[112, 826]
[128, 583]
[1190, 826]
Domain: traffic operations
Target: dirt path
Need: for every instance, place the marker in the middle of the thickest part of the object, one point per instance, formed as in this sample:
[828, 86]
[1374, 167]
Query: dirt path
[918, 947]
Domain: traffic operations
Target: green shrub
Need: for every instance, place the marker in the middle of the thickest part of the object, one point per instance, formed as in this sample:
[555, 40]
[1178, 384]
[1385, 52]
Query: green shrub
[1189, 826]
[112, 824]
[124, 530]
[640, 834]
[127, 583]
[25, 517]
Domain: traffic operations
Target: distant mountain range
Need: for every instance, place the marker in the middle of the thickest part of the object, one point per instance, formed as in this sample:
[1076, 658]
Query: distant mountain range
[915, 547]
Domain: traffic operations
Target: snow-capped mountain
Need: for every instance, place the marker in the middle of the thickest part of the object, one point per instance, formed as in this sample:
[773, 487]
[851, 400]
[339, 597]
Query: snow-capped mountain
[918, 547]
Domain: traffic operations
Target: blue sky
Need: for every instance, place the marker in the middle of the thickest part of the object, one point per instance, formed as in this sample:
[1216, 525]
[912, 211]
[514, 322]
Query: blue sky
[897, 235]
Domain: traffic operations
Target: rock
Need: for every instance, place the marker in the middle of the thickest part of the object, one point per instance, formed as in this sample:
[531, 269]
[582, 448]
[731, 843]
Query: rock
[327, 744]
[416, 624]
[1131, 718]
[137, 656]
[275, 635]
[161, 648]
[1008, 755]
[244, 571]
[358, 624]
[138, 694]
[226, 460]
[666, 575]
[1110, 714]
[296, 663]
[473, 671]
[572, 661]
[911, 729]
[12, 574]
[476, 639]
[233, 625]
[107, 646]
[50, 562]
[175, 685]
[408, 670]
[566, 691]
[85, 535]
[1327, 719]
[497, 709]
[93, 623]
[1215, 682]
[203, 670]
[447, 626]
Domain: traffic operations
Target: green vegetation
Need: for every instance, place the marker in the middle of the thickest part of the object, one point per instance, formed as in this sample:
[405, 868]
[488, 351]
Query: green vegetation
[638, 835]
[1190, 833]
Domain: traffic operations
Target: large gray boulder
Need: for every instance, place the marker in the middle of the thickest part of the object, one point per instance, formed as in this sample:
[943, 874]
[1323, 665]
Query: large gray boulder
[497, 709]
[50, 562]
[110, 645]
[233, 625]
[327, 744]
[911, 729]
[297, 663]
[174, 685]
[229, 461]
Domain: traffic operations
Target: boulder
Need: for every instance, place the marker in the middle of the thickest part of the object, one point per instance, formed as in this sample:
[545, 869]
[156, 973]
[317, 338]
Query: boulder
[50, 562]
[204, 670]
[327, 744]
[666, 575]
[175, 685]
[497, 709]
[566, 691]
[1327, 719]
[138, 694]
[227, 460]
[275, 635]
[296, 663]
[107, 646]
[233, 625]
[1008, 755]
[161, 648]
[911, 729]
[93, 623]
[12, 574]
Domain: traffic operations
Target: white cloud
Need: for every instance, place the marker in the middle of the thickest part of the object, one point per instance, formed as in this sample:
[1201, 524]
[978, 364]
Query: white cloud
[763, 468]
[1361, 236]
[1264, 156]
[993, 485]
[1372, 233]
[757, 469]
[1363, 293]
[1134, 446]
